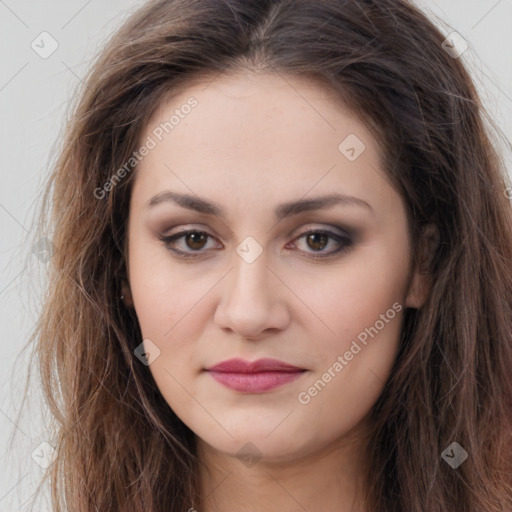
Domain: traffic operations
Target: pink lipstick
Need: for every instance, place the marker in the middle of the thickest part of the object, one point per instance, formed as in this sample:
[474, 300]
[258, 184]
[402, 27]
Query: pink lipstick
[254, 377]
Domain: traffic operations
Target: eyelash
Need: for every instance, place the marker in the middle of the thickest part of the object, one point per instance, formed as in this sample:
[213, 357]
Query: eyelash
[347, 242]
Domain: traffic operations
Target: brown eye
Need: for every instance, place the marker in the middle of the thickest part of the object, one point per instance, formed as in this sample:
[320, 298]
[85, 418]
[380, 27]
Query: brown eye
[314, 242]
[193, 243]
[188, 243]
[317, 241]
[196, 240]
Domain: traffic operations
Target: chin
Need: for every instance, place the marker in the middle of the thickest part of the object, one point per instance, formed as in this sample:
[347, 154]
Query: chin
[252, 445]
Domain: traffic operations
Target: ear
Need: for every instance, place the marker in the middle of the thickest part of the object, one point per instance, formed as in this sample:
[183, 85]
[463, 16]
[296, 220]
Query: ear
[126, 294]
[421, 281]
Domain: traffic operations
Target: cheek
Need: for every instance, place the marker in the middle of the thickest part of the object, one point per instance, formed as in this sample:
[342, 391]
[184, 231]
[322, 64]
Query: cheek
[363, 306]
[168, 308]
[354, 364]
[354, 296]
[161, 295]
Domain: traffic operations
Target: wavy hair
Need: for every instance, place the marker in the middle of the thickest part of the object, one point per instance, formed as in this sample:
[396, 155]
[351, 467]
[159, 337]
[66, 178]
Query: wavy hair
[119, 445]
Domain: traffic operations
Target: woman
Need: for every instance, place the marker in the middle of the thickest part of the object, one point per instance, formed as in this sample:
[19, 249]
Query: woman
[281, 277]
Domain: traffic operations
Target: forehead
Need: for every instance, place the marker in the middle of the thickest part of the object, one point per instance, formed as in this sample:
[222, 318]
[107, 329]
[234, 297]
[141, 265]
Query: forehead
[272, 108]
[266, 133]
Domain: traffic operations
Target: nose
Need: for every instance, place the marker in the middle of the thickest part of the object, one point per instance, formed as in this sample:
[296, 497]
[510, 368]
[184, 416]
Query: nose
[253, 300]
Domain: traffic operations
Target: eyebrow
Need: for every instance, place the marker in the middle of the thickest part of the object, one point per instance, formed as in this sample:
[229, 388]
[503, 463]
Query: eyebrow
[282, 211]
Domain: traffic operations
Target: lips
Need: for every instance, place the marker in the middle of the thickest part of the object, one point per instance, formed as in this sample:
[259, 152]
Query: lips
[261, 365]
[256, 376]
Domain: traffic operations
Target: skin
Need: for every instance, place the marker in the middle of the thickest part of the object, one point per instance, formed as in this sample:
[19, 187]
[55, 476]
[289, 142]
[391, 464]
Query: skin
[255, 141]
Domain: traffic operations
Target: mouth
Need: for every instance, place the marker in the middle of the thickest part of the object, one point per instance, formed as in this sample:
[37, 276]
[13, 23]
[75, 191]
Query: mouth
[254, 377]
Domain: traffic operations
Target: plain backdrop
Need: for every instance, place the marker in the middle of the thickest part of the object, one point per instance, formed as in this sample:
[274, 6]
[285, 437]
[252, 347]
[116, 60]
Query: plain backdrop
[34, 97]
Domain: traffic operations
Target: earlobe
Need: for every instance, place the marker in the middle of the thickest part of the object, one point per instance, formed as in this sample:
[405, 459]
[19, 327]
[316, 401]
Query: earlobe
[421, 282]
[126, 294]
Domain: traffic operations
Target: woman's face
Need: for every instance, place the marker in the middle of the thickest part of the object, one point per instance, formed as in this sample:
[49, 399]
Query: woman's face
[251, 165]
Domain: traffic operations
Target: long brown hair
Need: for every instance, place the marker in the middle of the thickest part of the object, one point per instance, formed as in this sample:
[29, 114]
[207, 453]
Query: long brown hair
[120, 447]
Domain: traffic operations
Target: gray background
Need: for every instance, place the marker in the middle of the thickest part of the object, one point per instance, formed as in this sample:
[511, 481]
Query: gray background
[34, 98]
